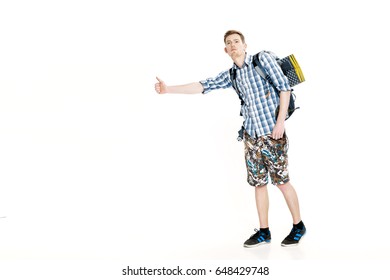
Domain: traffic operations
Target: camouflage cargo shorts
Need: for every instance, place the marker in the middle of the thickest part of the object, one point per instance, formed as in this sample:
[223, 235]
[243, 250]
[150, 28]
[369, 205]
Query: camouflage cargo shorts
[264, 156]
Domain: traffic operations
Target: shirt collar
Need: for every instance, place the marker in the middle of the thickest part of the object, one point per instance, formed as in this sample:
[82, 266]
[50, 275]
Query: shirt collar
[247, 61]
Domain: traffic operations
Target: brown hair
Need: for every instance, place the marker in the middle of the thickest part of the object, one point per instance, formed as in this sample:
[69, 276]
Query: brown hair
[231, 32]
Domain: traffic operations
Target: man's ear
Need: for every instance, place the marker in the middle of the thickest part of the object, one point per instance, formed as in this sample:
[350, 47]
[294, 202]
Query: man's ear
[225, 50]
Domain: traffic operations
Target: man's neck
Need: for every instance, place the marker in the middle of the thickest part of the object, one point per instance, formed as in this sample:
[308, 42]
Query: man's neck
[239, 60]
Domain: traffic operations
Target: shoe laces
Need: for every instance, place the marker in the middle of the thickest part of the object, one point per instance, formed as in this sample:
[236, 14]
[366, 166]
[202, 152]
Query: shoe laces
[257, 233]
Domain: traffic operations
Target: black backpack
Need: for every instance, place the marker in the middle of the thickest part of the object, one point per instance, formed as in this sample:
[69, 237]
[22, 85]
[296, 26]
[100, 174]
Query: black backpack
[290, 68]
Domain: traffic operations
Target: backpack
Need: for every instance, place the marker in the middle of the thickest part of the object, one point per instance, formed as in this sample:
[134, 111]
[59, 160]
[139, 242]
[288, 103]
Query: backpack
[290, 69]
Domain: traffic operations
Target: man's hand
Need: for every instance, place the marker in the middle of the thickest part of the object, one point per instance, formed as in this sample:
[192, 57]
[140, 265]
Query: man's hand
[191, 88]
[278, 131]
[160, 87]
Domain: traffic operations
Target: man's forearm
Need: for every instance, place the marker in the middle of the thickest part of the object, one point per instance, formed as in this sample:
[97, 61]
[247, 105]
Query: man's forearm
[187, 88]
[284, 102]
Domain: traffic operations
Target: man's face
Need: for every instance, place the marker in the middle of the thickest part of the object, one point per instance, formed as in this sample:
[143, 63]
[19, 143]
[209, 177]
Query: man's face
[234, 47]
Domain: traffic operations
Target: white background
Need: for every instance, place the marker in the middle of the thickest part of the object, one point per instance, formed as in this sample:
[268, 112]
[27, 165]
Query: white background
[95, 166]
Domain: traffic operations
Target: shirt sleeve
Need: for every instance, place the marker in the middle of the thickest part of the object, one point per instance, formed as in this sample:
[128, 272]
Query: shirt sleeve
[222, 80]
[275, 72]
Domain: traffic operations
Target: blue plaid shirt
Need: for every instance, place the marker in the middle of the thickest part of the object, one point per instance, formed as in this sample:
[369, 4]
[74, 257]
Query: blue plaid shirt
[261, 99]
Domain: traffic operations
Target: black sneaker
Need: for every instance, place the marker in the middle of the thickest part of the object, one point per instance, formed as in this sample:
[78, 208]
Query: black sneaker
[258, 238]
[294, 237]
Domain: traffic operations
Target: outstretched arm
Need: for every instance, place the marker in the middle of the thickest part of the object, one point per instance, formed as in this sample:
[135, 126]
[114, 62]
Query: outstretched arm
[161, 87]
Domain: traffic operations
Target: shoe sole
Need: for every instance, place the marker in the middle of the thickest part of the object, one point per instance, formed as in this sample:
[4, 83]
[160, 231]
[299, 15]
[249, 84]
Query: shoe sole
[295, 244]
[257, 245]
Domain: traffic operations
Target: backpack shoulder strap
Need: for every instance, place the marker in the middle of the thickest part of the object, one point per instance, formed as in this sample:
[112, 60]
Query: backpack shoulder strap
[258, 67]
[233, 74]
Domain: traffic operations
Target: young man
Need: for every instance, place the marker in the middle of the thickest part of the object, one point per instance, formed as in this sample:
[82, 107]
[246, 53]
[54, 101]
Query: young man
[264, 136]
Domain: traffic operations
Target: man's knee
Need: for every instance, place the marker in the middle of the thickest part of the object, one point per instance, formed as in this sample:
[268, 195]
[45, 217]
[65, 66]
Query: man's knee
[284, 186]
